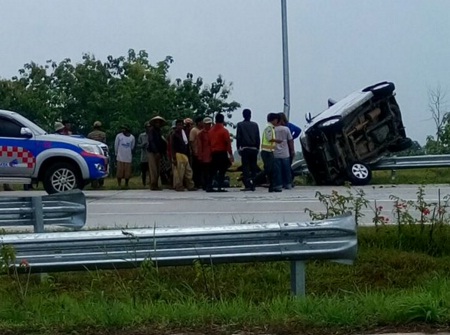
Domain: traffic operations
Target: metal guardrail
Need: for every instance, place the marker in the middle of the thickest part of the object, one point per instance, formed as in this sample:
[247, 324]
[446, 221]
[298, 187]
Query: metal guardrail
[333, 239]
[391, 163]
[411, 162]
[66, 209]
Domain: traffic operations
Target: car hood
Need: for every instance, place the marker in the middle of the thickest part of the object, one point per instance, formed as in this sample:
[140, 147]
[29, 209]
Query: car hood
[67, 139]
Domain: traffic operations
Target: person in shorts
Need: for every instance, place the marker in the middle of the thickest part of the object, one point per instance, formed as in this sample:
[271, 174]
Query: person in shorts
[123, 147]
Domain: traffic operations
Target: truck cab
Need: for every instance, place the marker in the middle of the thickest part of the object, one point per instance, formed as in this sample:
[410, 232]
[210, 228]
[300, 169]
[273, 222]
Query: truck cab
[28, 154]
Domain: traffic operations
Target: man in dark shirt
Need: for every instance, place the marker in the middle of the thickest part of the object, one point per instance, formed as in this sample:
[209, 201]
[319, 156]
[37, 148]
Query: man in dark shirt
[156, 149]
[248, 142]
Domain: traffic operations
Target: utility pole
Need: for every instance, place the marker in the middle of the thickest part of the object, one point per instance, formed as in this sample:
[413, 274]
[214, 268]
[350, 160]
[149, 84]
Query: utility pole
[287, 102]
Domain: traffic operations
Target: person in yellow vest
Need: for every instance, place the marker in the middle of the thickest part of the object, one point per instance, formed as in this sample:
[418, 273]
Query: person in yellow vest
[268, 145]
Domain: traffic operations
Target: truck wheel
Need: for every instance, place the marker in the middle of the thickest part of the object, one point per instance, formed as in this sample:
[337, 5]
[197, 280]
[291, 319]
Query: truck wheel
[61, 177]
[359, 173]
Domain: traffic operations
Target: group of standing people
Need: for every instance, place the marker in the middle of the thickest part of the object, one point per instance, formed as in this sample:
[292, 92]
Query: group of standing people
[277, 150]
[198, 153]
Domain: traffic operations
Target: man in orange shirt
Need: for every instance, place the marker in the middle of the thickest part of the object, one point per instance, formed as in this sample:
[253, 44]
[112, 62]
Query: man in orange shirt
[221, 154]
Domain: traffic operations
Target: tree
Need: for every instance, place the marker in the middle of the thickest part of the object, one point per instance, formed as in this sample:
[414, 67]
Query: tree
[439, 109]
[126, 89]
[192, 97]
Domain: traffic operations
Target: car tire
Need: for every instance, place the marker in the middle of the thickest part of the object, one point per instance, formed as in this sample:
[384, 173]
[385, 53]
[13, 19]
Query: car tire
[312, 166]
[403, 144]
[359, 173]
[381, 89]
[333, 128]
[62, 177]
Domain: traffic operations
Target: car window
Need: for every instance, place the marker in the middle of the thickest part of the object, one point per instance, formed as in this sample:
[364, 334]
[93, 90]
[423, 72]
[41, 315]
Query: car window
[9, 128]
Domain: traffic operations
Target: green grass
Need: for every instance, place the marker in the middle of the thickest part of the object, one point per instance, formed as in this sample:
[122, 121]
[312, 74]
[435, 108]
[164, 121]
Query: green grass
[413, 176]
[410, 176]
[396, 281]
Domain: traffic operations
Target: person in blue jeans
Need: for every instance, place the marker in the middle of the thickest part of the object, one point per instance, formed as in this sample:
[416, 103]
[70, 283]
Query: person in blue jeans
[284, 150]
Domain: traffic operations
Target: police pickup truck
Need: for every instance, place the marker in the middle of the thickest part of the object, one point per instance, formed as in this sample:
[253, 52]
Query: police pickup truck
[62, 163]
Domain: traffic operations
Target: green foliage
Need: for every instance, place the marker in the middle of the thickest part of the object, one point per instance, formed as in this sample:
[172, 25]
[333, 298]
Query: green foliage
[440, 113]
[338, 204]
[412, 176]
[123, 90]
[420, 221]
[7, 258]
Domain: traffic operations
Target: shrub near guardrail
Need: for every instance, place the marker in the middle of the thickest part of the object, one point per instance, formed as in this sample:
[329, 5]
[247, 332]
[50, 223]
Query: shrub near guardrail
[418, 225]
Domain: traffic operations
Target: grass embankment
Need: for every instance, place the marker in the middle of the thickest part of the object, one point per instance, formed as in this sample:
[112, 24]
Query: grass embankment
[400, 279]
[410, 176]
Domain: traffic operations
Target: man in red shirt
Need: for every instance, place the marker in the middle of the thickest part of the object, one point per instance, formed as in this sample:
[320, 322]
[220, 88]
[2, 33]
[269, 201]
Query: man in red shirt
[204, 153]
[221, 154]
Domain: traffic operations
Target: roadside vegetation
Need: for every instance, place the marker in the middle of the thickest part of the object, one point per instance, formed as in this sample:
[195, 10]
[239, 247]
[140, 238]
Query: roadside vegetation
[400, 279]
[410, 176]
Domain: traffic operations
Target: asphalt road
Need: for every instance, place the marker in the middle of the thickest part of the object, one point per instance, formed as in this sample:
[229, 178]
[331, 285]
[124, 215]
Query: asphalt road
[145, 208]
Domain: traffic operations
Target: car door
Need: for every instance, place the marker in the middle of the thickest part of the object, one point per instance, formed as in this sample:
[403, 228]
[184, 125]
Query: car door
[16, 149]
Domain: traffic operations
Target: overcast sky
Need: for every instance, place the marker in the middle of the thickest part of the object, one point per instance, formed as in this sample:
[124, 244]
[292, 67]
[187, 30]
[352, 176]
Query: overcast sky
[335, 46]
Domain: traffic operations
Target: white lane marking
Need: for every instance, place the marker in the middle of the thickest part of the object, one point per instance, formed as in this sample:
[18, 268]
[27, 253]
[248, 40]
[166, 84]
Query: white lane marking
[299, 211]
[261, 201]
[112, 203]
[313, 200]
[196, 213]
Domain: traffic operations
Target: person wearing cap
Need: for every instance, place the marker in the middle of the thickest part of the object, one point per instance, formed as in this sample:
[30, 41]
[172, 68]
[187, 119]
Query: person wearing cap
[193, 138]
[156, 149]
[142, 144]
[123, 147]
[248, 142]
[97, 134]
[182, 172]
[221, 153]
[204, 154]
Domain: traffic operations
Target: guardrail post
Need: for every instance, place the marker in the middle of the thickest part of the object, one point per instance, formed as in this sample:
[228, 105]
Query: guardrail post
[36, 204]
[393, 174]
[298, 278]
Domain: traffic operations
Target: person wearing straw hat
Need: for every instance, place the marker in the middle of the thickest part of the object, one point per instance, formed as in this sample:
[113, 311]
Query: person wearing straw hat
[156, 148]
[59, 127]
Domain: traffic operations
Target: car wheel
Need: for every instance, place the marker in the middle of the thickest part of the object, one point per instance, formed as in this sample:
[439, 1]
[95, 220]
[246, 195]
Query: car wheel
[381, 89]
[403, 144]
[61, 177]
[359, 173]
[313, 167]
[330, 126]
